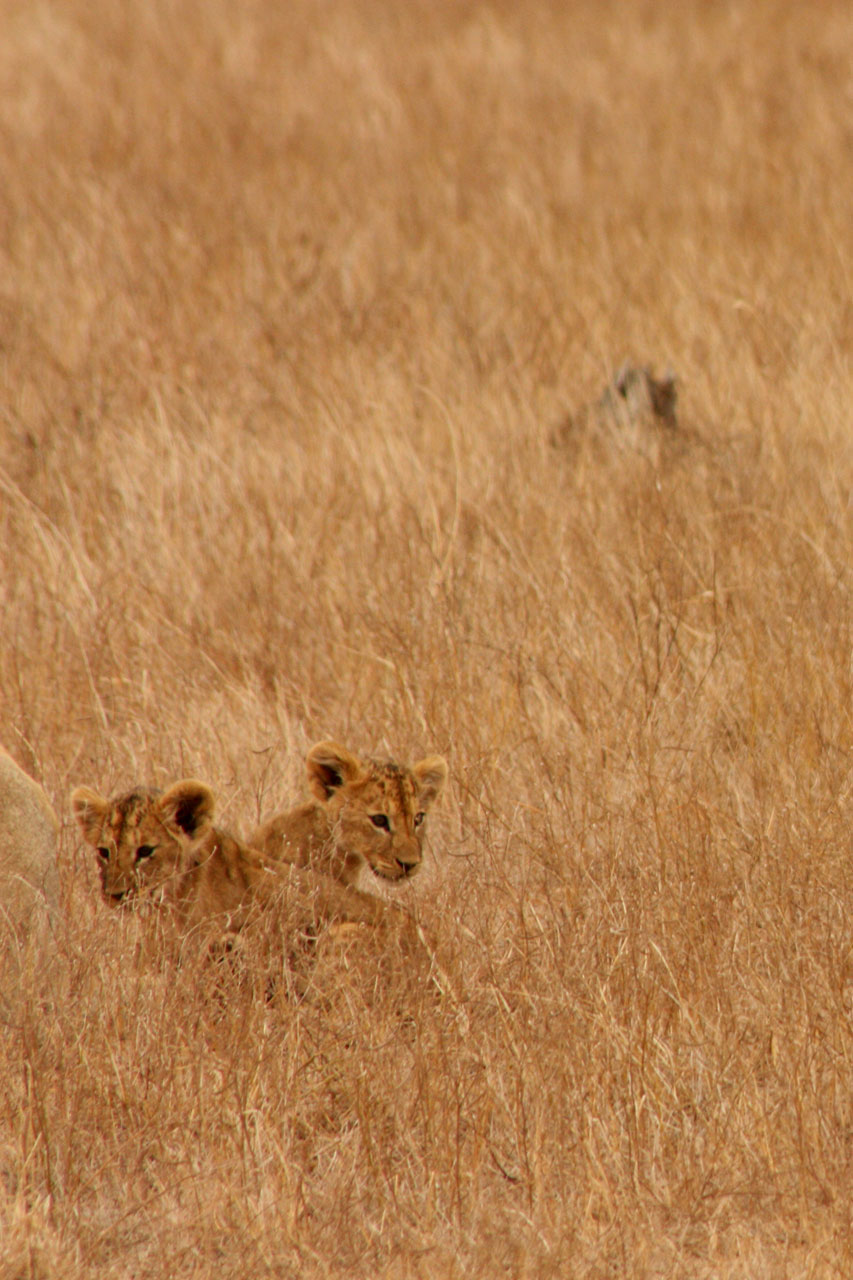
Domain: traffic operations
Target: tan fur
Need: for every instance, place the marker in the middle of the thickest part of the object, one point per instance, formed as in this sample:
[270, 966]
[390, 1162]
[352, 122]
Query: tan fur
[364, 813]
[163, 848]
[28, 832]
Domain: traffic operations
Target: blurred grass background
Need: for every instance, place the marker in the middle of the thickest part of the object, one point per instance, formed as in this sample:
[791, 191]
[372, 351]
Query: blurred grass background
[292, 298]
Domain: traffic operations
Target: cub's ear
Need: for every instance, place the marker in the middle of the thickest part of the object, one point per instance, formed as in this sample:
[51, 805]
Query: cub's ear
[187, 805]
[430, 775]
[90, 810]
[331, 766]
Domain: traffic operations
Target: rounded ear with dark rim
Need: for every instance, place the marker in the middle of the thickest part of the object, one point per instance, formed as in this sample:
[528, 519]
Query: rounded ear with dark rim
[430, 775]
[331, 766]
[187, 805]
[89, 809]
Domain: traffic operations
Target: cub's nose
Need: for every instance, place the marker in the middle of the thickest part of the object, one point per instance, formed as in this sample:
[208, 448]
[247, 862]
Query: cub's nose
[407, 868]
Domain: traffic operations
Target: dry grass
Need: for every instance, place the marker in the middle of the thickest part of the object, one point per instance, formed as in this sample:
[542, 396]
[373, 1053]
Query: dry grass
[291, 299]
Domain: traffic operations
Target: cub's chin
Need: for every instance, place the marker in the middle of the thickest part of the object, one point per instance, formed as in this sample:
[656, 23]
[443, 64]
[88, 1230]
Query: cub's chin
[386, 874]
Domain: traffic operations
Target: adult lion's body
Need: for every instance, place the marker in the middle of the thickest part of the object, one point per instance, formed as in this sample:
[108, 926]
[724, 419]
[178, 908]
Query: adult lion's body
[28, 836]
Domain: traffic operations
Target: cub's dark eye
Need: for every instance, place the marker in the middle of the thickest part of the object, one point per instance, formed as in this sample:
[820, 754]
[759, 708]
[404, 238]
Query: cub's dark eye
[379, 820]
[104, 855]
[419, 817]
[144, 851]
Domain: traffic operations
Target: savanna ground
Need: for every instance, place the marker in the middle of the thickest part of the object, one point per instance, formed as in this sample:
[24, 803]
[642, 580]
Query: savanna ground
[292, 297]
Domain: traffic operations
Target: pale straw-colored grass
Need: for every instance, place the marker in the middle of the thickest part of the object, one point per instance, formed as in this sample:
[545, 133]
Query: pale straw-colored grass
[292, 298]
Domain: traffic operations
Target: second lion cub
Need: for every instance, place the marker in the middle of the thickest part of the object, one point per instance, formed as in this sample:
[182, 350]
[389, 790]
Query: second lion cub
[364, 812]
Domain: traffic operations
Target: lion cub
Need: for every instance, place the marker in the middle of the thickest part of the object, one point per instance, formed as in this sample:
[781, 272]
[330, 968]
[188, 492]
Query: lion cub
[164, 848]
[364, 813]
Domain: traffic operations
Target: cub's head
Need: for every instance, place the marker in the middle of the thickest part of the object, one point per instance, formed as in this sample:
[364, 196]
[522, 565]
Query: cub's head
[377, 808]
[139, 838]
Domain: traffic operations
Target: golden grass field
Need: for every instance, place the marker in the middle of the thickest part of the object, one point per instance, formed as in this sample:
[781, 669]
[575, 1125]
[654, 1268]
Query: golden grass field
[292, 298]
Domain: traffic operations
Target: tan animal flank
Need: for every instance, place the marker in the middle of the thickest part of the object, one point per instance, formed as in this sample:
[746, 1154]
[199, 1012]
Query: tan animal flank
[28, 832]
[364, 813]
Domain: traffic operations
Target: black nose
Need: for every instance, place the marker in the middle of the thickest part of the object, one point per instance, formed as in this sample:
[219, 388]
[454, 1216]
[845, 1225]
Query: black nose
[406, 867]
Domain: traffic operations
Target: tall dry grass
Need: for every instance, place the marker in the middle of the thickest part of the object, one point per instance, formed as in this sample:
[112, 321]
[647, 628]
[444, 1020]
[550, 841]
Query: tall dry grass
[291, 299]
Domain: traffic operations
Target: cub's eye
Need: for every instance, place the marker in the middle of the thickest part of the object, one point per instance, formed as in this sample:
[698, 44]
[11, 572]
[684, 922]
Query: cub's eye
[104, 855]
[380, 820]
[144, 851]
[419, 817]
